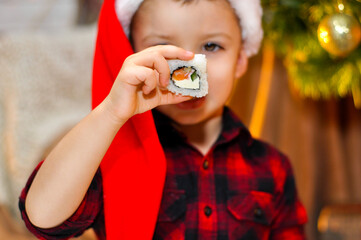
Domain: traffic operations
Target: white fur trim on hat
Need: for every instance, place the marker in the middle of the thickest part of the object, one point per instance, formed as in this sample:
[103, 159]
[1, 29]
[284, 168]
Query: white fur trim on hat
[248, 11]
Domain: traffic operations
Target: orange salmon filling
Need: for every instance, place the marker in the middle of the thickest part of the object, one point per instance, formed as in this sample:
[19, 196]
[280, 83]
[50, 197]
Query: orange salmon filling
[182, 73]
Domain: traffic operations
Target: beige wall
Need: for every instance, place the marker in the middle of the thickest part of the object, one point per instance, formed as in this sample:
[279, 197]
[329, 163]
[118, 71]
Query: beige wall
[30, 15]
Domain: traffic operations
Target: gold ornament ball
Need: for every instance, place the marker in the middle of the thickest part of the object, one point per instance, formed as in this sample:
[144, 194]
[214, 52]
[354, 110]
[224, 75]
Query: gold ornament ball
[339, 34]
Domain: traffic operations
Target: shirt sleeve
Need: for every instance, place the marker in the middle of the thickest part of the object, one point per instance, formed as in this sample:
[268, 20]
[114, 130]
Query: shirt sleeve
[291, 214]
[81, 220]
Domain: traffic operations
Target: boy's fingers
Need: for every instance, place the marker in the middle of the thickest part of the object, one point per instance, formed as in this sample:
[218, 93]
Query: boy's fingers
[150, 82]
[155, 58]
[162, 68]
[173, 52]
[146, 56]
[155, 61]
[148, 77]
[174, 98]
[168, 97]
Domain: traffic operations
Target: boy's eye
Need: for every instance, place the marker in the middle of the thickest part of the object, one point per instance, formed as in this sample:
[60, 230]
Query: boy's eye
[211, 47]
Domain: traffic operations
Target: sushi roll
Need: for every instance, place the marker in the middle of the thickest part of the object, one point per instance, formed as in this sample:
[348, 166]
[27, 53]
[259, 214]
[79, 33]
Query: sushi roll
[189, 78]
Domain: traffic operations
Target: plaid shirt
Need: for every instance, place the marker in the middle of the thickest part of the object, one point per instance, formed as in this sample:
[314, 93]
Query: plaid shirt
[242, 189]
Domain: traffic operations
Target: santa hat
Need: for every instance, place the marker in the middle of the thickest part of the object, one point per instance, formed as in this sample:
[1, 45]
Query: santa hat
[249, 13]
[134, 166]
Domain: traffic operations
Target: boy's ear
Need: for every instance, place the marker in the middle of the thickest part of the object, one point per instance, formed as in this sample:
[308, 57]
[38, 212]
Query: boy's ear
[242, 64]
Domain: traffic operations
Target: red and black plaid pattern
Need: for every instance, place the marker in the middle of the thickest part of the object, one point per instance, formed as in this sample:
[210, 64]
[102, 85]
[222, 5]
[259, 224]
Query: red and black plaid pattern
[242, 189]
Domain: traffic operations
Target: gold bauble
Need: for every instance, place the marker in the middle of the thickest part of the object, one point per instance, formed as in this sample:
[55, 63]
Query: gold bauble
[339, 34]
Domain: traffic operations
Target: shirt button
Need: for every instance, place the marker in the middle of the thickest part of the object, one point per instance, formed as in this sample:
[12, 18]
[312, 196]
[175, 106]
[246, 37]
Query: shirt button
[258, 212]
[205, 164]
[208, 211]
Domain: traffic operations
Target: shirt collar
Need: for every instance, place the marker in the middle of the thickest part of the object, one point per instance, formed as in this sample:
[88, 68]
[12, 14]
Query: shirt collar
[232, 127]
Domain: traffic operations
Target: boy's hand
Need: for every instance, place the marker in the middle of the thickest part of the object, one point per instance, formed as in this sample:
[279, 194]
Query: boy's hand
[142, 81]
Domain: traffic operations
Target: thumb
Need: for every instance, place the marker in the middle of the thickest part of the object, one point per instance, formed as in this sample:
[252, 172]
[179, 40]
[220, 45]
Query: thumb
[171, 98]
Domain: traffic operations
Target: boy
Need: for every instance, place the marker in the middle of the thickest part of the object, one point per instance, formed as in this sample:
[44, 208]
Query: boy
[220, 183]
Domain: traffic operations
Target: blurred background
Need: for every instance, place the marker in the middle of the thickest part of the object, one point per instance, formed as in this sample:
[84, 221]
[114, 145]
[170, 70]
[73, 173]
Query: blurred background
[302, 93]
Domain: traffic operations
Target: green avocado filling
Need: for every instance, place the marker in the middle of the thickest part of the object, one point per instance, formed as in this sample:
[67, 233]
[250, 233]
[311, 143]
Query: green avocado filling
[194, 76]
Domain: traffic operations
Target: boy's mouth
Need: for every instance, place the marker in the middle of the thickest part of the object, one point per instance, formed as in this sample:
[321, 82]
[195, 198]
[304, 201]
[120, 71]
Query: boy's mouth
[192, 104]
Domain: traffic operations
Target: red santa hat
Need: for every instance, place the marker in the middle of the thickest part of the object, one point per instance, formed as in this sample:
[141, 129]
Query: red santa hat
[134, 166]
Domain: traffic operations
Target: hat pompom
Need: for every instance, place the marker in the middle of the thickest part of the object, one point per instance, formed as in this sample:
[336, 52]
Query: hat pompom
[250, 15]
[125, 10]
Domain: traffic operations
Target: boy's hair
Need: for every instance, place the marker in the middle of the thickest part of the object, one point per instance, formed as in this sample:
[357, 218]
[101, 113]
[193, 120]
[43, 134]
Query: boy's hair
[249, 13]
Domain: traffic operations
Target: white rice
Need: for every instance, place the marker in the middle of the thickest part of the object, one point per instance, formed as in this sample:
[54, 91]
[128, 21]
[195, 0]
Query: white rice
[199, 63]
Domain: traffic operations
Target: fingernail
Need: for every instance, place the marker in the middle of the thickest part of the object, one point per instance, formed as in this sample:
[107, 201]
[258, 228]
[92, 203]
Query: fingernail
[189, 53]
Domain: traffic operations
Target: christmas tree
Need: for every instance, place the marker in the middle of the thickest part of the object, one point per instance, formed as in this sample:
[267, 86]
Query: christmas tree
[319, 42]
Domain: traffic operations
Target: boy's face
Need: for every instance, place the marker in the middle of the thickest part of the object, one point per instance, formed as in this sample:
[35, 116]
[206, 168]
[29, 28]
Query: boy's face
[204, 26]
